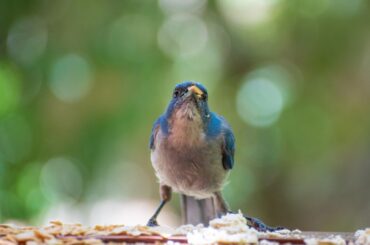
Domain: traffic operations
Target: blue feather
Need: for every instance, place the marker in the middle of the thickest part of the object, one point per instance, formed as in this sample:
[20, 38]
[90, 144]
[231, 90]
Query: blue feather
[217, 126]
[154, 131]
[161, 122]
[213, 128]
[229, 148]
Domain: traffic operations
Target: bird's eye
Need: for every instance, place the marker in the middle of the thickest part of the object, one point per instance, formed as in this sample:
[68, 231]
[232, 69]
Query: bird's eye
[176, 93]
[205, 96]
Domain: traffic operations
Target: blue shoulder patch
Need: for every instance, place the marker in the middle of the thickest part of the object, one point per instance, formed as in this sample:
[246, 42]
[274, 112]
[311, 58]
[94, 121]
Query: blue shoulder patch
[152, 135]
[228, 148]
[213, 126]
[217, 126]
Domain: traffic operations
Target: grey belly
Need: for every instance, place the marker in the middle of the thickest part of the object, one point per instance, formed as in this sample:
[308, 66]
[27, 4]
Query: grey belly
[194, 171]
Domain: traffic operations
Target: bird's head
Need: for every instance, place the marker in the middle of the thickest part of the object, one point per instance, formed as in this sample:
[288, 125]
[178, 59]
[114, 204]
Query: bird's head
[189, 100]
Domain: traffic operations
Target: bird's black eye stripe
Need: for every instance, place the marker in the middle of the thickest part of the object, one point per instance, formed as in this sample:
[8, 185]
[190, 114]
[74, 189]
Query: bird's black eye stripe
[179, 92]
[176, 93]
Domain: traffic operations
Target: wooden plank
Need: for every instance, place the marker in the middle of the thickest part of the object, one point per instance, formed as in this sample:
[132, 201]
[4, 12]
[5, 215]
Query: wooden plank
[349, 237]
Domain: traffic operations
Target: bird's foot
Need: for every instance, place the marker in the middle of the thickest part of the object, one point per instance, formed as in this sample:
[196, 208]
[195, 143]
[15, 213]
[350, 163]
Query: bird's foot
[260, 226]
[152, 222]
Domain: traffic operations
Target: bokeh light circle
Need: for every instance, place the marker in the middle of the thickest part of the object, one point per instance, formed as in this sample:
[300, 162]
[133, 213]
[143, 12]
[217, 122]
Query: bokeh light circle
[71, 78]
[61, 180]
[264, 94]
[259, 102]
[183, 36]
[247, 12]
[126, 43]
[179, 6]
[27, 40]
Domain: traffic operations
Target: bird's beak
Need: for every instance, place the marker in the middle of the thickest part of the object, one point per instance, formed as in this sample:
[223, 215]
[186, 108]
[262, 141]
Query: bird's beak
[195, 90]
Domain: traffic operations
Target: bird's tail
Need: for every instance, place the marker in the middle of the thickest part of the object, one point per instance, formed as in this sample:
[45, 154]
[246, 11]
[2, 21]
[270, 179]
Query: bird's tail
[196, 211]
[202, 211]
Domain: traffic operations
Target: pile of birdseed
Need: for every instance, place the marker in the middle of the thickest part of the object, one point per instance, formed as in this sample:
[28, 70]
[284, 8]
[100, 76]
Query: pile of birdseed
[230, 229]
[363, 236]
[335, 240]
[59, 233]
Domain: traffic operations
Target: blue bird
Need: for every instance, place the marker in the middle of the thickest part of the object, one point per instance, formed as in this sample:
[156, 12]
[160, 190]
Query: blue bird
[192, 153]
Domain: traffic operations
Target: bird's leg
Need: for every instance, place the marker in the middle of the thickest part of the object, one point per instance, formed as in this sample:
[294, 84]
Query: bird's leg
[221, 205]
[153, 220]
[165, 193]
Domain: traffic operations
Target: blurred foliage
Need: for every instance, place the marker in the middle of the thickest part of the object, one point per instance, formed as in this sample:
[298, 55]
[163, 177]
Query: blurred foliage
[82, 81]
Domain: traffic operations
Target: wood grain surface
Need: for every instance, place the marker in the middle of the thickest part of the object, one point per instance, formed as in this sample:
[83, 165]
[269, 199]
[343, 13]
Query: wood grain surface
[348, 236]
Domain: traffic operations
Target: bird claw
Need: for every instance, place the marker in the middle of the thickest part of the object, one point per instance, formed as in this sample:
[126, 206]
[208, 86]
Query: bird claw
[260, 226]
[152, 223]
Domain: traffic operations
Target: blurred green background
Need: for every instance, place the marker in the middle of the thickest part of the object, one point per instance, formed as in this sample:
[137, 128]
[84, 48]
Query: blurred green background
[82, 81]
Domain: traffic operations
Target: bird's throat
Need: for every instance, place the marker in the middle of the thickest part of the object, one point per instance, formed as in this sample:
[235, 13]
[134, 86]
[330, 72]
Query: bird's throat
[186, 126]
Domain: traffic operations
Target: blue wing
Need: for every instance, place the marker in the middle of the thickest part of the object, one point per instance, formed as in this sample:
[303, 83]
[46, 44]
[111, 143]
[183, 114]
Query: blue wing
[228, 147]
[155, 129]
[217, 126]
